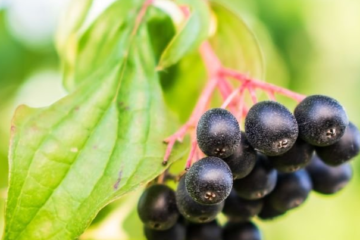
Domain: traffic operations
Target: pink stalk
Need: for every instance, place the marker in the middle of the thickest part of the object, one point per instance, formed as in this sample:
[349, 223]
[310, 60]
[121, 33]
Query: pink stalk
[253, 94]
[271, 96]
[141, 15]
[192, 154]
[242, 102]
[230, 98]
[267, 87]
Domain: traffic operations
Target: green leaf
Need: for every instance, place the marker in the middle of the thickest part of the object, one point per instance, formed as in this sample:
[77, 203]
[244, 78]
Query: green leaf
[234, 43]
[193, 31]
[71, 23]
[183, 83]
[104, 43]
[160, 24]
[2, 204]
[100, 142]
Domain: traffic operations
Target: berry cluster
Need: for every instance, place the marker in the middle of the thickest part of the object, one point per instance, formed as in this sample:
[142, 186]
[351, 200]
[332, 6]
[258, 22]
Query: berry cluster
[265, 171]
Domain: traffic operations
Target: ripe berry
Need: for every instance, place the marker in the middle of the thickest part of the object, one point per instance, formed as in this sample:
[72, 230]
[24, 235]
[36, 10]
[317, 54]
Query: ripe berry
[260, 182]
[343, 150]
[239, 210]
[327, 179]
[205, 231]
[218, 133]
[291, 190]
[294, 159]
[243, 160]
[176, 232]
[271, 128]
[209, 181]
[322, 120]
[193, 211]
[268, 212]
[241, 231]
[157, 207]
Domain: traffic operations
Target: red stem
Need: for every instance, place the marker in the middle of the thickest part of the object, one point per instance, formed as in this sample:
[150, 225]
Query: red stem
[141, 15]
[268, 87]
[242, 102]
[230, 98]
[253, 94]
[212, 62]
[192, 154]
[271, 96]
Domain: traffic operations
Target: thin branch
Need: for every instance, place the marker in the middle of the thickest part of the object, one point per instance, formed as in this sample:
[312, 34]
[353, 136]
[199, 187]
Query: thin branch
[268, 87]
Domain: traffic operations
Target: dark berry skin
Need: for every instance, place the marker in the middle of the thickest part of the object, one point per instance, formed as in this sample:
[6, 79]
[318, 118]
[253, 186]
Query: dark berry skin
[271, 128]
[206, 231]
[157, 207]
[193, 211]
[243, 160]
[296, 158]
[322, 120]
[241, 231]
[177, 232]
[259, 183]
[291, 190]
[343, 150]
[268, 212]
[209, 180]
[241, 210]
[327, 179]
[218, 133]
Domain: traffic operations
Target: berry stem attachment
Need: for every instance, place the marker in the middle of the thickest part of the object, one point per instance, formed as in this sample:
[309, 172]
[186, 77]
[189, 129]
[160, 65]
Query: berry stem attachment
[161, 178]
[242, 109]
[253, 94]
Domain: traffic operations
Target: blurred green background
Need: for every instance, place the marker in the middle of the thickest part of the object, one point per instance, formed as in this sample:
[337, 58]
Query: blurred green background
[312, 47]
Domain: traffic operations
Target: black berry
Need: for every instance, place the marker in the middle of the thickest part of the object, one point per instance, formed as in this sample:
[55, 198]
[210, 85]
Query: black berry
[291, 190]
[218, 133]
[157, 207]
[343, 150]
[268, 212]
[271, 128]
[241, 231]
[294, 159]
[240, 210]
[193, 211]
[260, 182]
[205, 231]
[322, 120]
[243, 160]
[176, 232]
[209, 181]
[327, 179]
